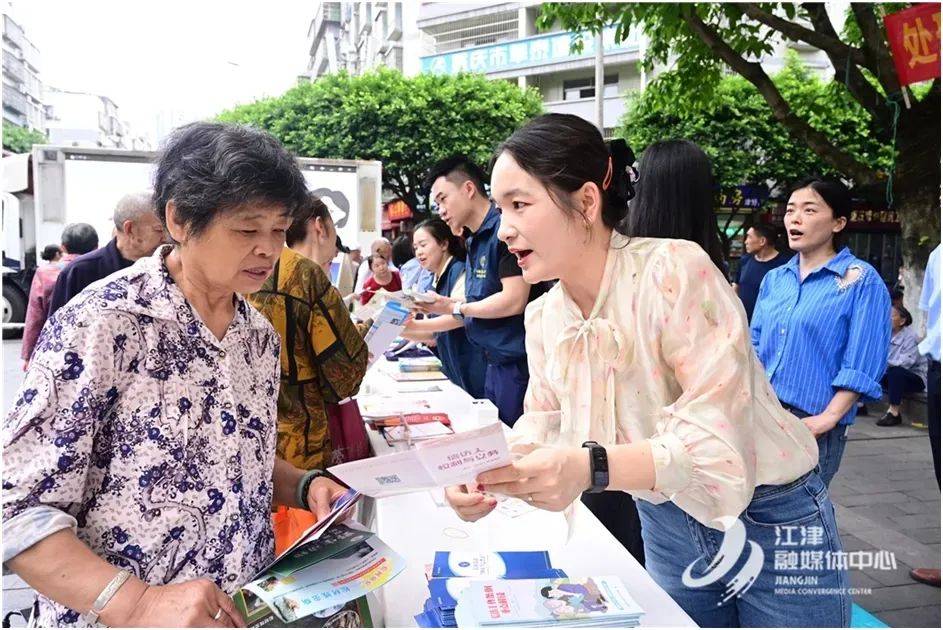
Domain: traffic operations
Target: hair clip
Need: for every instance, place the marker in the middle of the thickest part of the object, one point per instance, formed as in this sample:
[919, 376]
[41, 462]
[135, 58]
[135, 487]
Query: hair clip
[608, 178]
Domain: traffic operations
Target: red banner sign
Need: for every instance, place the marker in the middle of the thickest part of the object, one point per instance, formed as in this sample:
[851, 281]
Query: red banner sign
[914, 36]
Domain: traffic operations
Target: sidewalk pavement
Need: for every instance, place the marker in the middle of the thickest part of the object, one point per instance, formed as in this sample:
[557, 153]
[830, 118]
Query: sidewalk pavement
[886, 498]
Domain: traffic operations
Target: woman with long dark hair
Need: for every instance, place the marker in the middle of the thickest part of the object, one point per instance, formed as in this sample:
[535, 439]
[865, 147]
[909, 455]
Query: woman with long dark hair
[674, 197]
[442, 253]
[643, 381]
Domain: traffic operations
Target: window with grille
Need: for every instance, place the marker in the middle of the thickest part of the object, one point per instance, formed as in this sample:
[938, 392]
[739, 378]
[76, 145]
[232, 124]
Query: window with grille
[476, 31]
[574, 89]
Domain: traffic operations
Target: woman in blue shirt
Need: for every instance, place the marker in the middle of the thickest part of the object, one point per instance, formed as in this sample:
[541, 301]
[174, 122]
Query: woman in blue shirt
[820, 325]
[443, 254]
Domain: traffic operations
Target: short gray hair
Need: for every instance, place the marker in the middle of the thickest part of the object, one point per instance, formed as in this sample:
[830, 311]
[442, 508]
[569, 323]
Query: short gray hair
[132, 206]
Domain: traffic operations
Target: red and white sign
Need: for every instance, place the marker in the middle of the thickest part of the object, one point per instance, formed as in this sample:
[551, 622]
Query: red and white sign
[914, 36]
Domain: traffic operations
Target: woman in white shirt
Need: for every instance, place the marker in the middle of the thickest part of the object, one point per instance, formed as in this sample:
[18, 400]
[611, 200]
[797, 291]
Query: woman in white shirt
[643, 348]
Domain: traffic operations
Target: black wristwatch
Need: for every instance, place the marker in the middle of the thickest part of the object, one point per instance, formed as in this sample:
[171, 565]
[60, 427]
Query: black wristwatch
[598, 467]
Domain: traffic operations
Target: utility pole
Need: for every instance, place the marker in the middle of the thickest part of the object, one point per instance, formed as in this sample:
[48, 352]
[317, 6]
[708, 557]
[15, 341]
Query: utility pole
[600, 82]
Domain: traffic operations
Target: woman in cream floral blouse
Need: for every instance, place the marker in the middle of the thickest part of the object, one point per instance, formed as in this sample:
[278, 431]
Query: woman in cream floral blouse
[644, 348]
[140, 468]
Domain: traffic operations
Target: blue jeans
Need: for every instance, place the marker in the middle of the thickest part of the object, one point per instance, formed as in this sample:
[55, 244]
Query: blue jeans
[797, 518]
[831, 445]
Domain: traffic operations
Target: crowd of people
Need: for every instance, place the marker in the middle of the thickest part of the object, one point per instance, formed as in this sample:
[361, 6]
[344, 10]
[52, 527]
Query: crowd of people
[185, 372]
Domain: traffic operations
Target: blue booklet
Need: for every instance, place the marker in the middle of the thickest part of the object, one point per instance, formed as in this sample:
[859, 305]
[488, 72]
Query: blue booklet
[509, 565]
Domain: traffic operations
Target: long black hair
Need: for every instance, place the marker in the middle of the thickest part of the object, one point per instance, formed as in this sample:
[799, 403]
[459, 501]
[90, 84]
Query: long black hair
[675, 197]
[441, 233]
[563, 152]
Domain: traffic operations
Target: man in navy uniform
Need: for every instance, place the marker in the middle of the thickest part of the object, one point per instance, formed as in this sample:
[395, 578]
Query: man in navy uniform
[495, 291]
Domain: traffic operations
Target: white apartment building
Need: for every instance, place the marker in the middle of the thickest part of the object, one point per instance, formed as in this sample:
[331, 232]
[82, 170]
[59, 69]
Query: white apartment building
[23, 103]
[360, 36]
[86, 120]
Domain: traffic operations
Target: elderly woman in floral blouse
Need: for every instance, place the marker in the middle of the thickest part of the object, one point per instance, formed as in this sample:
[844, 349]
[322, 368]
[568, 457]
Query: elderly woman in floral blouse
[140, 454]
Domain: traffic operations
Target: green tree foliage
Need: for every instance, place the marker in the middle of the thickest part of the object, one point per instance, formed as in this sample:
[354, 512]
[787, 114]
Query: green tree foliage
[746, 143]
[694, 42]
[406, 122]
[19, 139]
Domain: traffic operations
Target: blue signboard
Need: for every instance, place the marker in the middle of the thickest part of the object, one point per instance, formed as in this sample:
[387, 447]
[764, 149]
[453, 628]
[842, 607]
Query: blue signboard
[531, 51]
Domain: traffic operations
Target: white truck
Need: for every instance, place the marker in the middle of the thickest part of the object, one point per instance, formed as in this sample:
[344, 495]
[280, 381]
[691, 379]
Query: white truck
[53, 186]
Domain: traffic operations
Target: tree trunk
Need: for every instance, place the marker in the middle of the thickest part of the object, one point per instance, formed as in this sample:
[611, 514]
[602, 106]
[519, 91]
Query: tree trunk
[917, 196]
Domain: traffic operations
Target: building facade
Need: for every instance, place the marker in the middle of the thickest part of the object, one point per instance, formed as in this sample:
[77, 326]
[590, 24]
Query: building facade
[360, 36]
[23, 94]
[500, 39]
[86, 120]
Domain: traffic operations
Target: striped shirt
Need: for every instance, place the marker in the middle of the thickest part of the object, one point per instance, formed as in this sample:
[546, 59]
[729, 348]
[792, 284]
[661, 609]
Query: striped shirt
[826, 333]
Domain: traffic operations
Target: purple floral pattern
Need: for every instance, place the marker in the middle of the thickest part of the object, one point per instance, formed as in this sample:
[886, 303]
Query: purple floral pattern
[155, 436]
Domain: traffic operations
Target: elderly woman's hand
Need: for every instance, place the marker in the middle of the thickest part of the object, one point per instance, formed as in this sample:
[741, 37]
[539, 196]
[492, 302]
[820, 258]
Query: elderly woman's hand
[470, 506]
[321, 493]
[193, 604]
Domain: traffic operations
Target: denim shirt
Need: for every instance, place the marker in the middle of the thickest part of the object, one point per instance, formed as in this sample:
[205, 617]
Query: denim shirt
[828, 332]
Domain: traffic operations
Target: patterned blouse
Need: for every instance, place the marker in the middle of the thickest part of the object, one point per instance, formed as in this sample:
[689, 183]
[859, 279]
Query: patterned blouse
[155, 441]
[664, 356]
[323, 359]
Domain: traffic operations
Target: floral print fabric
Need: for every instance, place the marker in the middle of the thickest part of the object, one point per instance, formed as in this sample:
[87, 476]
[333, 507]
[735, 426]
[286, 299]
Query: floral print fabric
[155, 440]
[664, 356]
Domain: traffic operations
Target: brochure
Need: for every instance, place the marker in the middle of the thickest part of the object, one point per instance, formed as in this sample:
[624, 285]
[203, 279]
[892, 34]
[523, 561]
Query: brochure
[496, 564]
[411, 419]
[420, 364]
[410, 433]
[573, 602]
[351, 573]
[370, 310]
[353, 614]
[385, 406]
[385, 328]
[432, 463]
[314, 580]
[445, 591]
[411, 377]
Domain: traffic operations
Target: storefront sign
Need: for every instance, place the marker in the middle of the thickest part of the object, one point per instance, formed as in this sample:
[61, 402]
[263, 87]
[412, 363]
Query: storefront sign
[748, 198]
[398, 210]
[526, 52]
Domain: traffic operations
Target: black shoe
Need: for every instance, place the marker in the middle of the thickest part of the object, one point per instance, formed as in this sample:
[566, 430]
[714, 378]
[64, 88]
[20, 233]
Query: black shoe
[889, 420]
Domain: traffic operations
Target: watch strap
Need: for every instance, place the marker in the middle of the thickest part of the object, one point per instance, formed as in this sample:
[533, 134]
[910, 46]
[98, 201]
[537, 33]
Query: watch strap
[598, 467]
